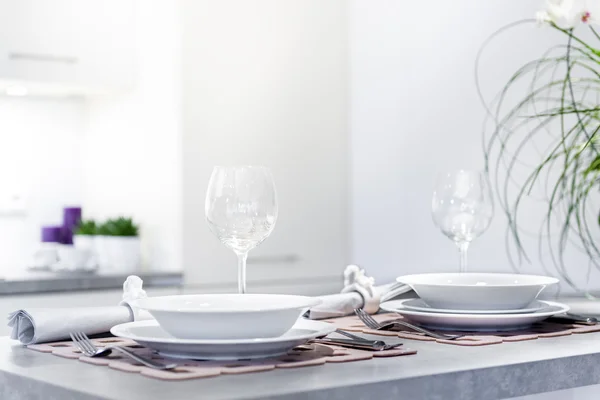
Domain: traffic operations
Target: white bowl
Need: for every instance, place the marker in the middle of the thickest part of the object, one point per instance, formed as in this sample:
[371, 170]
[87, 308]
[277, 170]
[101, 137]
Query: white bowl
[477, 291]
[226, 316]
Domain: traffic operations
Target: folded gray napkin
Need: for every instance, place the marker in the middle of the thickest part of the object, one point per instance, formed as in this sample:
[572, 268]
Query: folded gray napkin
[39, 325]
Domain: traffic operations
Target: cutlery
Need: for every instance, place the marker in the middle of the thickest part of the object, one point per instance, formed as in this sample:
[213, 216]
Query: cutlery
[573, 318]
[357, 344]
[360, 339]
[391, 324]
[89, 349]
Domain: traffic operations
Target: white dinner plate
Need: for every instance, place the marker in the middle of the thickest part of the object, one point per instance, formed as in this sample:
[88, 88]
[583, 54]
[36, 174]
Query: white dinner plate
[420, 305]
[475, 322]
[150, 334]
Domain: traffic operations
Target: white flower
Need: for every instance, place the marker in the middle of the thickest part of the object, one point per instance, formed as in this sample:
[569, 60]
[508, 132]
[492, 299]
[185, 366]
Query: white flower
[591, 12]
[563, 12]
[542, 17]
[569, 13]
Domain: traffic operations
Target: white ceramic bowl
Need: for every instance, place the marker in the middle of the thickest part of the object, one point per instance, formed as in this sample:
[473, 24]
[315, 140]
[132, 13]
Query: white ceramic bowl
[226, 316]
[477, 291]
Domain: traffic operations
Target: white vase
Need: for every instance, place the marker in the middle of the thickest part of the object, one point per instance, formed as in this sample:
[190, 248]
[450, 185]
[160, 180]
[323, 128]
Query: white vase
[100, 252]
[71, 258]
[122, 253]
[83, 244]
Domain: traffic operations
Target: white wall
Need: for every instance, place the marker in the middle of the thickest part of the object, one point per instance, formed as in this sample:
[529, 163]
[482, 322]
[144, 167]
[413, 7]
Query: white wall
[40, 159]
[132, 155]
[415, 112]
[282, 84]
[266, 83]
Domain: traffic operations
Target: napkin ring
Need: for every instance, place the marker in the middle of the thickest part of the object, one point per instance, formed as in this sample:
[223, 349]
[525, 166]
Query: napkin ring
[355, 280]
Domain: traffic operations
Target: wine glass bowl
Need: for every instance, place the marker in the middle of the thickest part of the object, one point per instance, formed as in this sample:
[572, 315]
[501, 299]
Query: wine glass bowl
[462, 207]
[241, 210]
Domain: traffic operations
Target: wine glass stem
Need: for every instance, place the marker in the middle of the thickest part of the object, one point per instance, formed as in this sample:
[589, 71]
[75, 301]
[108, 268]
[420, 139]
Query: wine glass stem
[242, 257]
[462, 250]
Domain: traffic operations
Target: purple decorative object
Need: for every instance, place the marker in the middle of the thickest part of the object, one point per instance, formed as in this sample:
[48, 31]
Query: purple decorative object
[51, 234]
[71, 218]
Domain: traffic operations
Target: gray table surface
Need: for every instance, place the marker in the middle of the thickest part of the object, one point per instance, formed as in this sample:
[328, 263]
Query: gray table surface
[438, 371]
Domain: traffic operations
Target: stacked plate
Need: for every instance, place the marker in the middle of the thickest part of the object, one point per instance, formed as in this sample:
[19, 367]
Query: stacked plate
[225, 326]
[476, 301]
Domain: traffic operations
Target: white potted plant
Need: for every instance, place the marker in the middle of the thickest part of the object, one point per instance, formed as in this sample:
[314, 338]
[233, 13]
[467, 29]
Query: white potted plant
[84, 235]
[84, 246]
[118, 245]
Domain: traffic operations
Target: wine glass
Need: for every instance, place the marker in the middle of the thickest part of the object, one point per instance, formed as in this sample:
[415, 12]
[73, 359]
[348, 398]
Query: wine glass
[241, 210]
[462, 207]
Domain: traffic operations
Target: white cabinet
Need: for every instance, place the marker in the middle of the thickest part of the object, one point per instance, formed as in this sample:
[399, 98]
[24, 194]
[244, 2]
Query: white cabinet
[70, 46]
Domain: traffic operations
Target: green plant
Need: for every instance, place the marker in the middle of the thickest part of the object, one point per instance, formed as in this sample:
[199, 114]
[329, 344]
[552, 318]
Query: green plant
[557, 122]
[118, 227]
[86, 227]
[104, 229]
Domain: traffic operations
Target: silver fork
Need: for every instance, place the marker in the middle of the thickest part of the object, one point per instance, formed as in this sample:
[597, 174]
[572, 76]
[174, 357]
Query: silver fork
[372, 324]
[88, 348]
[360, 339]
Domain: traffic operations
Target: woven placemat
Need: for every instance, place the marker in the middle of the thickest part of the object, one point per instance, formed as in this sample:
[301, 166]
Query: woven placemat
[302, 356]
[540, 330]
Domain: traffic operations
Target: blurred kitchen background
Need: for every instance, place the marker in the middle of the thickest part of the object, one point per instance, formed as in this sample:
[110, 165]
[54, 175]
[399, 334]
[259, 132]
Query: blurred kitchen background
[122, 108]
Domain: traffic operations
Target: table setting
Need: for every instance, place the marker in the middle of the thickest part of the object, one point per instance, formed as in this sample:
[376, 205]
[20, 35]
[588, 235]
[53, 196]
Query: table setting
[491, 329]
[196, 336]
[199, 335]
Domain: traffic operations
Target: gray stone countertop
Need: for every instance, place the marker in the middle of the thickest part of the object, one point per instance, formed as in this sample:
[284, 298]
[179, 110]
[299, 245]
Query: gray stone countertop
[438, 371]
[38, 282]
